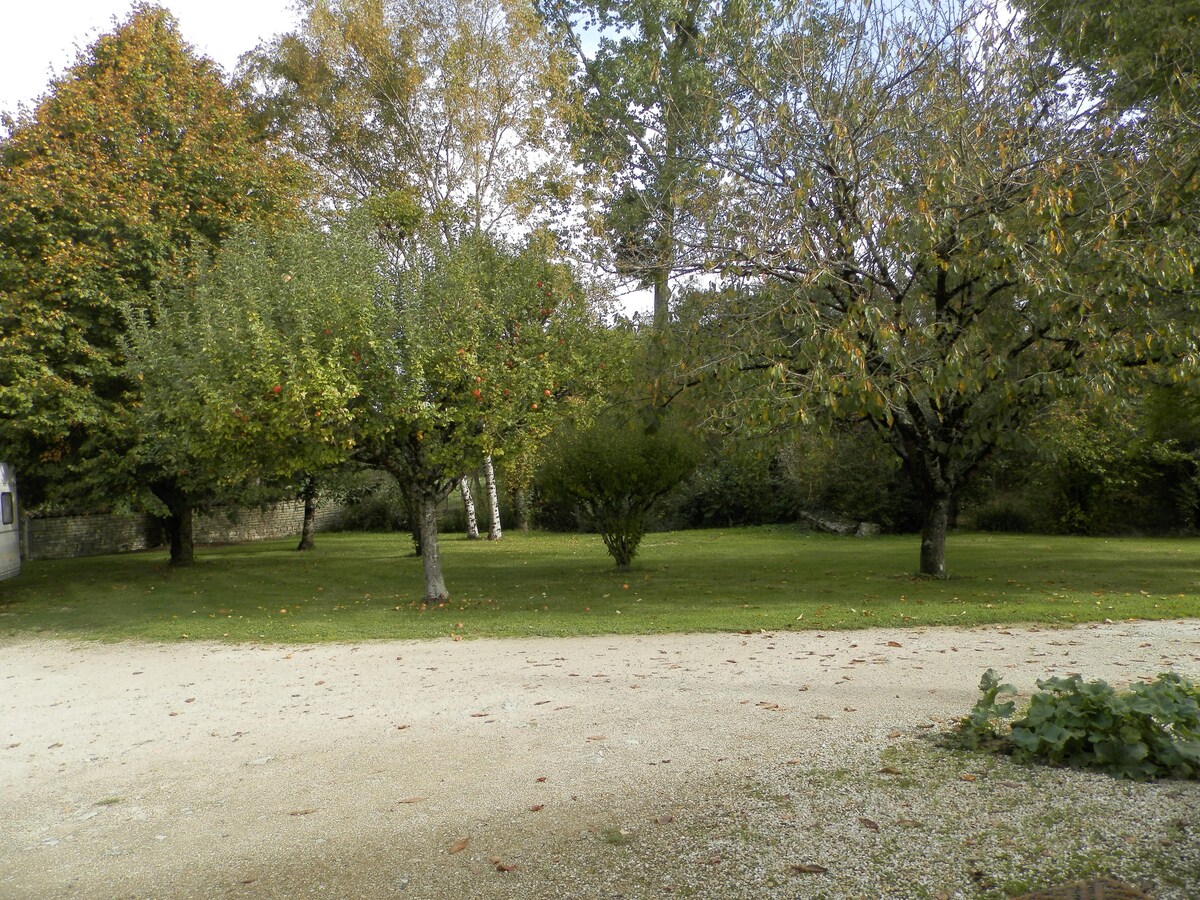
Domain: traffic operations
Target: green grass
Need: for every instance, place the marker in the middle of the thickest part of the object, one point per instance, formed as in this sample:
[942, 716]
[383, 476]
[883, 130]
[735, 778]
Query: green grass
[356, 587]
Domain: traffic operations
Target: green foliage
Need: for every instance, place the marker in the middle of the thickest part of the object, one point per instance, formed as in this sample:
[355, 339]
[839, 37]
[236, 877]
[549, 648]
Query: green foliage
[259, 365]
[616, 472]
[736, 488]
[979, 727]
[442, 107]
[644, 114]
[1133, 49]
[138, 160]
[1151, 730]
[1002, 515]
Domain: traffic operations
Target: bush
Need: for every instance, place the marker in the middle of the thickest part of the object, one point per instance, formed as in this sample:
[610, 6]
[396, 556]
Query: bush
[1149, 731]
[727, 490]
[615, 474]
[1004, 516]
[379, 508]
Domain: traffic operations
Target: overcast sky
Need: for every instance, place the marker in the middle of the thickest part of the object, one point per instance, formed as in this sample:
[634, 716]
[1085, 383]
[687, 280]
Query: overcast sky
[40, 37]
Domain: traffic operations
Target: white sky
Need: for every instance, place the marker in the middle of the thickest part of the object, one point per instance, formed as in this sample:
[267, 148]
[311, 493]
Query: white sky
[39, 38]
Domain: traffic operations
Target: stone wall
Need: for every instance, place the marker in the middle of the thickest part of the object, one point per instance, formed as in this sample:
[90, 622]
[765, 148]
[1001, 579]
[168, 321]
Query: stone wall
[66, 537]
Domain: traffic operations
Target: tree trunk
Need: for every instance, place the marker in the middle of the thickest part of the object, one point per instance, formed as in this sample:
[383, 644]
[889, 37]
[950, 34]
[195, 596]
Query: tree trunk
[413, 508]
[464, 487]
[933, 536]
[431, 560]
[489, 473]
[309, 493]
[520, 501]
[177, 522]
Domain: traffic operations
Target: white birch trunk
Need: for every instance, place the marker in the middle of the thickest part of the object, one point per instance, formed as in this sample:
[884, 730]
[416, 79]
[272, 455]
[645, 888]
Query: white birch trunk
[464, 488]
[489, 473]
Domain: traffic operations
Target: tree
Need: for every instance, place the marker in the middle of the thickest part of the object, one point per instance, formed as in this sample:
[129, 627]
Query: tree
[646, 115]
[616, 473]
[137, 160]
[930, 227]
[255, 368]
[439, 115]
[443, 107]
[1127, 48]
[487, 341]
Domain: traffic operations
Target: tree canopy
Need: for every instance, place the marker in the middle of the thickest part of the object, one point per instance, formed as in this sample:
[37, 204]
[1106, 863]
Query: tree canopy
[138, 159]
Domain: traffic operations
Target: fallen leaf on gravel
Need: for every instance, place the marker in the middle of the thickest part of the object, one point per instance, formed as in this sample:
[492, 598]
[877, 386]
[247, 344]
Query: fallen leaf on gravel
[597, 737]
[402, 727]
[302, 812]
[55, 745]
[460, 845]
[793, 762]
[890, 770]
[501, 867]
[479, 715]
[766, 705]
[894, 644]
[412, 800]
[823, 718]
[849, 709]
[893, 734]
[537, 807]
[540, 780]
[966, 776]
[808, 869]
[664, 819]
[868, 824]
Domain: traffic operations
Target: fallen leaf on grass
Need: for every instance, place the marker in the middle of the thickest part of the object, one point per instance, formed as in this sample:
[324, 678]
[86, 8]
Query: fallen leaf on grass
[966, 776]
[808, 869]
[460, 845]
[908, 823]
[308, 811]
[868, 824]
[890, 770]
[893, 734]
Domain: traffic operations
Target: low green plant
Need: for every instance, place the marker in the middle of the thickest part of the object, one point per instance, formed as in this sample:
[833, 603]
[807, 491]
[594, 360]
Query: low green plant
[979, 727]
[1151, 730]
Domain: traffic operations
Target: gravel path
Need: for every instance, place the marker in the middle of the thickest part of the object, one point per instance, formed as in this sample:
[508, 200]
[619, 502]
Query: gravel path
[687, 765]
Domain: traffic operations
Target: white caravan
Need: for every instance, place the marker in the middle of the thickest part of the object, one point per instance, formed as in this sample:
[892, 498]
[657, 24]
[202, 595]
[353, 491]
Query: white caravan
[10, 534]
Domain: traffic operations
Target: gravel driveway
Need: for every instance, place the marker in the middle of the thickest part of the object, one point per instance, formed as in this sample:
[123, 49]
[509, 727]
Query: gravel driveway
[760, 765]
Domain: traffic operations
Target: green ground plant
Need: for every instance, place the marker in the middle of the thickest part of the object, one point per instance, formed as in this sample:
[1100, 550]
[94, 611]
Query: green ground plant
[1151, 730]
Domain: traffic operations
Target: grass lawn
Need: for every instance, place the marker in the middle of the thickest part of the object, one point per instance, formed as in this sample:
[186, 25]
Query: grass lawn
[356, 587]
